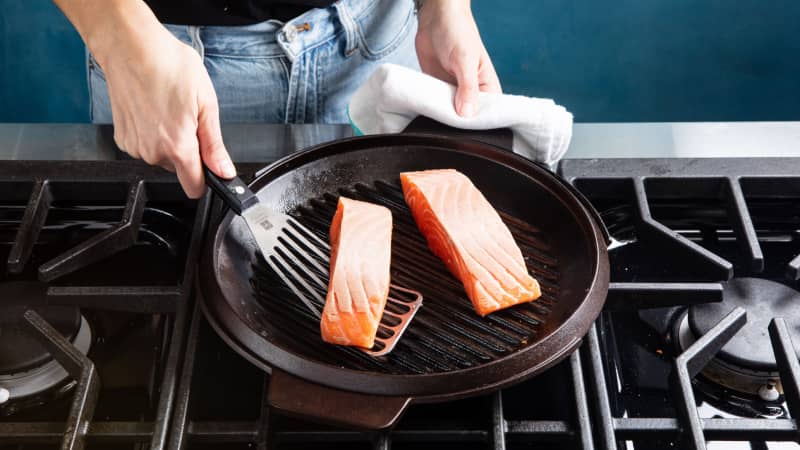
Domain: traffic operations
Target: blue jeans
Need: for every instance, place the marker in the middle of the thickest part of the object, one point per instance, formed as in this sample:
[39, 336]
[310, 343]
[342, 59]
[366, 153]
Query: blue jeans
[292, 73]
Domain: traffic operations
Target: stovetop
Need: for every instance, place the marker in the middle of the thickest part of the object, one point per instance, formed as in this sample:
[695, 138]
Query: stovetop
[670, 363]
[704, 271]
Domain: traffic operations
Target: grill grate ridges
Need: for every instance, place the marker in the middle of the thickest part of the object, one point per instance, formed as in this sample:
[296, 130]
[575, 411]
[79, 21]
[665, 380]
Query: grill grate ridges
[446, 334]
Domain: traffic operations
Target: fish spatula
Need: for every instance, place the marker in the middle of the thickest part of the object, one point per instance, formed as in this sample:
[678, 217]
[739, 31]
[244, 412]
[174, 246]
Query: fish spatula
[301, 259]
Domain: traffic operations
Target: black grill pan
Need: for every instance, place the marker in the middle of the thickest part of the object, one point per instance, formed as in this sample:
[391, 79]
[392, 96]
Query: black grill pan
[448, 351]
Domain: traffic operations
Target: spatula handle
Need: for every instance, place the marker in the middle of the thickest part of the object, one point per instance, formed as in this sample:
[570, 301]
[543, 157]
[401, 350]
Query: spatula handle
[234, 192]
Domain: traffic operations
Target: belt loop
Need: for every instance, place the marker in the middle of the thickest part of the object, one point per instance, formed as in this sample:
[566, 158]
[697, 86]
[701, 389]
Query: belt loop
[350, 27]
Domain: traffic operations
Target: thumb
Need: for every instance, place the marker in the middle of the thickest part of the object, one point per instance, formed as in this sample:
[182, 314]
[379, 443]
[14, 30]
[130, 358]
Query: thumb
[467, 92]
[209, 136]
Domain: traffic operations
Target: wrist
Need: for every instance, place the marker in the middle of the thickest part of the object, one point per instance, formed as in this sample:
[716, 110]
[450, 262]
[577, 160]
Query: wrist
[442, 3]
[122, 31]
[436, 13]
[429, 9]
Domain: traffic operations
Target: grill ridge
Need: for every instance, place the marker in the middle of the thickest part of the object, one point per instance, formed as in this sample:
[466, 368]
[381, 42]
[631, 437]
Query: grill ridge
[446, 334]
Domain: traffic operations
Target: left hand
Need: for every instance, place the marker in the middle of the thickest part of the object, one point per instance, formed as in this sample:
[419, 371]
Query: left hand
[449, 47]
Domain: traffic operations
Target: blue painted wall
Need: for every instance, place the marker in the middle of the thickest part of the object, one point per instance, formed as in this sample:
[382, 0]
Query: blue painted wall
[650, 60]
[621, 60]
[42, 74]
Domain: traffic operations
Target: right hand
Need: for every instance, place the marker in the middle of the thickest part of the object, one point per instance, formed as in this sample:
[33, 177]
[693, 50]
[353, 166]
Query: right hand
[449, 48]
[165, 109]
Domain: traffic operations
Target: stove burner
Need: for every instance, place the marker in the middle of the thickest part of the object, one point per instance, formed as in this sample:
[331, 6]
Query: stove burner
[35, 385]
[755, 383]
[764, 300]
[746, 364]
[19, 350]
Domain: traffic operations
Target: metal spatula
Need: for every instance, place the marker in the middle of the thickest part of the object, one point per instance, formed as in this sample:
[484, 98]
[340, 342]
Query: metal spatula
[300, 258]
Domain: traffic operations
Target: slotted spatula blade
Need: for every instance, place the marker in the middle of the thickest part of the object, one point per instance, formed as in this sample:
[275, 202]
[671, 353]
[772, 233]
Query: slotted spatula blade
[300, 259]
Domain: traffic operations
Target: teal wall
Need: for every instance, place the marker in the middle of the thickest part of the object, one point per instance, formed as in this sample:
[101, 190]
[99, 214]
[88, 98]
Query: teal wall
[620, 60]
[42, 74]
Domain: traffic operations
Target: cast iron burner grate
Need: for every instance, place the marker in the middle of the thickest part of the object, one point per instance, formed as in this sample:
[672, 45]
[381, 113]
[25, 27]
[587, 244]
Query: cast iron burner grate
[705, 220]
[115, 240]
[446, 334]
[210, 397]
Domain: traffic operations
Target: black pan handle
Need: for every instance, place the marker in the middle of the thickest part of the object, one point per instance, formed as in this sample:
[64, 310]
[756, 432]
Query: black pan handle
[234, 192]
[297, 397]
[500, 137]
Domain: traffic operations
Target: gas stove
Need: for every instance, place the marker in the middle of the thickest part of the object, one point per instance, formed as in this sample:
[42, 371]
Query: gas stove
[698, 336]
[102, 344]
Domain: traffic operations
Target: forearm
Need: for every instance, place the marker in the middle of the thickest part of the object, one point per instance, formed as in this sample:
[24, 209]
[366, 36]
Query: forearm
[430, 11]
[110, 25]
[440, 4]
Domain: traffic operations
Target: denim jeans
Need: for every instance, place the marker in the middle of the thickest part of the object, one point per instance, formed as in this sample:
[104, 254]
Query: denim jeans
[292, 72]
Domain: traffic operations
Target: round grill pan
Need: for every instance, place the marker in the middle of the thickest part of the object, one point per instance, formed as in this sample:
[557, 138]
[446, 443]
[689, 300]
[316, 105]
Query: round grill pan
[448, 351]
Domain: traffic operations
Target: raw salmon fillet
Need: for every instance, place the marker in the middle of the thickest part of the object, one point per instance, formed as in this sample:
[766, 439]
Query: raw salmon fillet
[466, 232]
[361, 239]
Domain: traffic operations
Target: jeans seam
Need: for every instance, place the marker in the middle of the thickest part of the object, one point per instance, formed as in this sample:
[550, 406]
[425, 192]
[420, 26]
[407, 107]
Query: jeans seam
[398, 40]
[223, 55]
[320, 88]
[287, 71]
[368, 11]
[89, 84]
[291, 94]
[95, 68]
[349, 26]
[301, 103]
[331, 38]
[319, 85]
[197, 42]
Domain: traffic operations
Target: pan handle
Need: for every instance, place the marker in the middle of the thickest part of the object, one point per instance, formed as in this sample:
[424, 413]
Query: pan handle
[294, 396]
[500, 137]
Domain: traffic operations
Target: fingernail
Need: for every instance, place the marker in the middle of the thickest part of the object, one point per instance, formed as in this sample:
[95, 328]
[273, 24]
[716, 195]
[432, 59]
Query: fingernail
[228, 171]
[467, 109]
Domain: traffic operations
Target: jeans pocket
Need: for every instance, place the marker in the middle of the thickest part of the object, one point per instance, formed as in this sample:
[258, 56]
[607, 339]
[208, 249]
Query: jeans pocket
[384, 27]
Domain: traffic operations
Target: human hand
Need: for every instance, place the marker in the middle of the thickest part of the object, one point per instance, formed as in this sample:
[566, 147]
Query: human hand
[165, 111]
[449, 47]
[163, 104]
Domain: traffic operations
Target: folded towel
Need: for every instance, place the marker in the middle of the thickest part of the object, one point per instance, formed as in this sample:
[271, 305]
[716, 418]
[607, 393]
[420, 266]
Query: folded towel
[394, 95]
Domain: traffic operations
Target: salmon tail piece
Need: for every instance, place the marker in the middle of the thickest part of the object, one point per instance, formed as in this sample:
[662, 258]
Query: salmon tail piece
[361, 239]
[468, 235]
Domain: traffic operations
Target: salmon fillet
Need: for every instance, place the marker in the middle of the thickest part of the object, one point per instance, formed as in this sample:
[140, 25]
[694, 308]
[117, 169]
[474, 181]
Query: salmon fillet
[466, 232]
[361, 239]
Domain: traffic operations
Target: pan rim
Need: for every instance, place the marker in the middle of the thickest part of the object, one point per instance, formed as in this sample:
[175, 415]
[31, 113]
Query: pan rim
[268, 354]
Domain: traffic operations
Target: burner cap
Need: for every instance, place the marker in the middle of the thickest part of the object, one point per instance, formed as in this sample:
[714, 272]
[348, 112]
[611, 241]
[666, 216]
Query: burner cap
[763, 300]
[19, 350]
[43, 382]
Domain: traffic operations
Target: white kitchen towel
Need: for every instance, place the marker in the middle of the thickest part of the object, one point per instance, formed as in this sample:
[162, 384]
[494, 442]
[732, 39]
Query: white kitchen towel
[394, 95]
